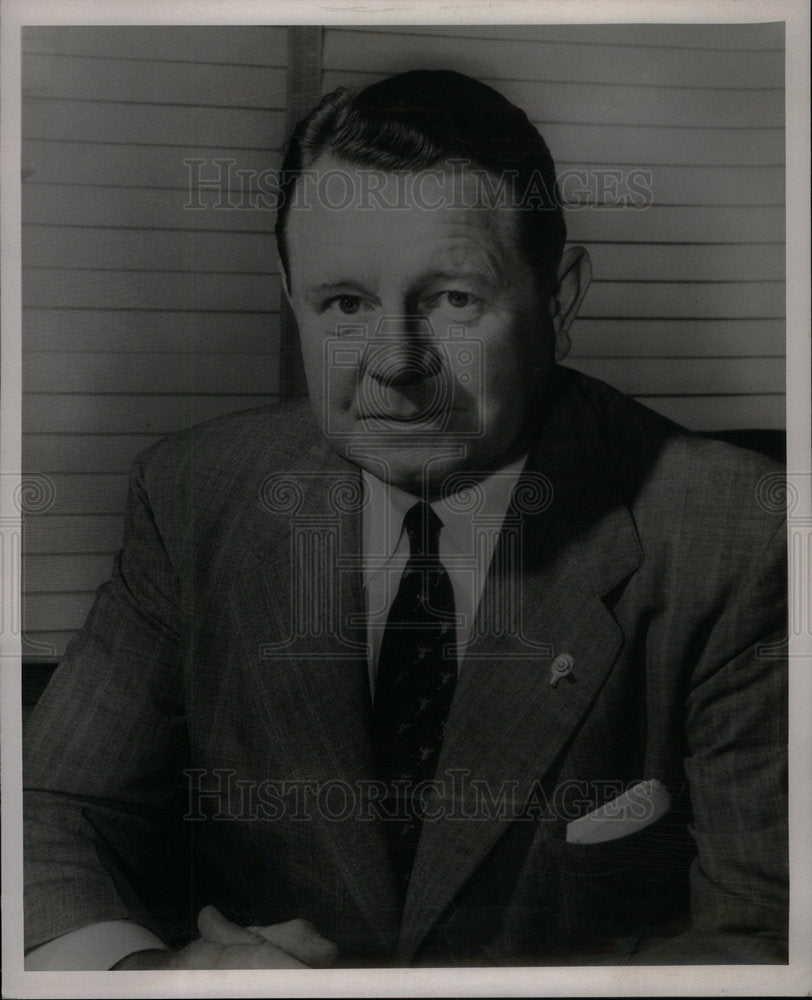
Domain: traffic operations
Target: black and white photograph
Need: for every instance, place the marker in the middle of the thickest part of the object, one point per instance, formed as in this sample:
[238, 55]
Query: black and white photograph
[405, 516]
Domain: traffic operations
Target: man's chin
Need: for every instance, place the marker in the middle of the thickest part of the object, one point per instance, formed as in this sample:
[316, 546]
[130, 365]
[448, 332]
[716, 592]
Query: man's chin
[416, 457]
[419, 470]
[420, 423]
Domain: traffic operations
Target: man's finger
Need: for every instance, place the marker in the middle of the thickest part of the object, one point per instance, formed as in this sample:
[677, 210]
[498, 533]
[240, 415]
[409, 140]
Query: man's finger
[214, 927]
[300, 939]
[259, 954]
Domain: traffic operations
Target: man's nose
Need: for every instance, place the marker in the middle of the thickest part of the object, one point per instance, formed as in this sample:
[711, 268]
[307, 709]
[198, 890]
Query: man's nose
[402, 352]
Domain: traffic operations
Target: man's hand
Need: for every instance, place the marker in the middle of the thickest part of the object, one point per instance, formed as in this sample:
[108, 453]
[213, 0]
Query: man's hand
[223, 945]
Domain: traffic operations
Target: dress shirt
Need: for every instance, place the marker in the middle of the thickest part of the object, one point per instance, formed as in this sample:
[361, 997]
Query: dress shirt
[466, 545]
[385, 554]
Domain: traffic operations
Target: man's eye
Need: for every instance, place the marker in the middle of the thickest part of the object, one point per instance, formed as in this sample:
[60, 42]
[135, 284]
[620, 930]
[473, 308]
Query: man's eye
[459, 300]
[456, 304]
[348, 304]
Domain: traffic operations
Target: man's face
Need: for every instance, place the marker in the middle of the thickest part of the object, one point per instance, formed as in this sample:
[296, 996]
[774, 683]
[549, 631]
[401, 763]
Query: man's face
[425, 340]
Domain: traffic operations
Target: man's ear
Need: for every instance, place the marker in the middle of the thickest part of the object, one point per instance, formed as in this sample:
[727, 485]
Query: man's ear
[574, 275]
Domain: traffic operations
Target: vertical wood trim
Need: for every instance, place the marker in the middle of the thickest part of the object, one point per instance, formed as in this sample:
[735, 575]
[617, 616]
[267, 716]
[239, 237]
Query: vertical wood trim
[304, 79]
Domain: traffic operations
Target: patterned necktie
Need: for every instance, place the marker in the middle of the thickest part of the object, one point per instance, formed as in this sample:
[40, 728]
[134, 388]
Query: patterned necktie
[417, 673]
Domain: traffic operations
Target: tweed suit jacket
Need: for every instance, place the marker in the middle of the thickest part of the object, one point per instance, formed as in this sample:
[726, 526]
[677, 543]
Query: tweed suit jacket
[207, 737]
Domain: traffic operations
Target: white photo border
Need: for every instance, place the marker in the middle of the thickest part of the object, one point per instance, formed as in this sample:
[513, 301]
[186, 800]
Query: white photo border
[794, 979]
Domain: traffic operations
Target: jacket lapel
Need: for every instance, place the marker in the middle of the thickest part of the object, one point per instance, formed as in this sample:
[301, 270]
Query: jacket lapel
[312, 686]
[508, 723]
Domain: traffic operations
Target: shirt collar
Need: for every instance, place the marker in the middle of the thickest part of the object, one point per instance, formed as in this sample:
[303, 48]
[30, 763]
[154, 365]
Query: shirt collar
[496, 492]
[386, 505]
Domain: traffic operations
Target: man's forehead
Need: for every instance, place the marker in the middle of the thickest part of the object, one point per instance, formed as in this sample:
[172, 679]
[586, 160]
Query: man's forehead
[340, 210]
[336, 190]
[339, 265]
[461, 181]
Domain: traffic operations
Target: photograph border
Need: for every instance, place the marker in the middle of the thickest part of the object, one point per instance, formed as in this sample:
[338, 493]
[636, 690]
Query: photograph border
[793, 979]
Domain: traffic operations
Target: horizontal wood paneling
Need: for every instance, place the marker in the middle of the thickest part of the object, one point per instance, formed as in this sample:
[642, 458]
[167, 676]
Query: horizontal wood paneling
[541, 53]
[247, 45]
[90, 493]
[146, 250]
[51, 371]
[141, 413]
[657, 224]
[71, 289]
[55, 612]
[126, 164]
[49, 453]
[143, 312]
[169, 125]
[721, 300]
[134, 80]
[756, 37]
[138, 208]
[677, 338]
[668, 262]
[684, 376]
[94, 533]
[57, 573]
[150, 330]
[638, 145]
[664, 185]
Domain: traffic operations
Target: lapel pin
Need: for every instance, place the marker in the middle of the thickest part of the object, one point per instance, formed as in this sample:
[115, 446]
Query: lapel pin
[562, 667]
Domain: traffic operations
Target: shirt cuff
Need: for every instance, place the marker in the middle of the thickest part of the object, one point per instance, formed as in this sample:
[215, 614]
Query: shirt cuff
[95, 948]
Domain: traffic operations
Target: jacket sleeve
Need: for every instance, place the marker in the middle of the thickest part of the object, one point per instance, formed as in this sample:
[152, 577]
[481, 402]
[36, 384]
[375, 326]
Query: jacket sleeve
[736, 731]
[95, 948]
[105, 745]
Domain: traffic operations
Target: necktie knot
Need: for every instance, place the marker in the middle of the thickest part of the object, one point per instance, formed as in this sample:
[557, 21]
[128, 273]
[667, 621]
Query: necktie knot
[422, 527]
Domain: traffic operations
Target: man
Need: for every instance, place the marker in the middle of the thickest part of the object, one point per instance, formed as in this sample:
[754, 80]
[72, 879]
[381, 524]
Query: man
[473, 664]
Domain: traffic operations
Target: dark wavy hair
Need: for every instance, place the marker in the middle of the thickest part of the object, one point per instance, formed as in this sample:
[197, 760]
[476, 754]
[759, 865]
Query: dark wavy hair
[416, 121]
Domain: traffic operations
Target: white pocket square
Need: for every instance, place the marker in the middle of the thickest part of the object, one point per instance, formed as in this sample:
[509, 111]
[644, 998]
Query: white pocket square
[636, 808]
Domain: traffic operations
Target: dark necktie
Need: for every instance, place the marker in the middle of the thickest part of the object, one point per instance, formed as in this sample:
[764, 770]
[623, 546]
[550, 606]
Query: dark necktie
[417, 673]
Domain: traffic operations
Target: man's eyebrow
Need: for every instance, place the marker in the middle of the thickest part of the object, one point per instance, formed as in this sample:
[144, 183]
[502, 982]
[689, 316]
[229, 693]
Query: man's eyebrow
[326, 286]
[472, 274]
[333, 286]
[485, 267]
[486, 276]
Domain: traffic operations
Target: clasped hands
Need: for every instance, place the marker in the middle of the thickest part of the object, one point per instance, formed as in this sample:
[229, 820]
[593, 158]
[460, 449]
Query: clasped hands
[295, 944]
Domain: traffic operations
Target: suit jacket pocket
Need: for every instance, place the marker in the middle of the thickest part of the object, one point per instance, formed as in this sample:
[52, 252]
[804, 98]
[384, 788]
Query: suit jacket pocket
[611, 893]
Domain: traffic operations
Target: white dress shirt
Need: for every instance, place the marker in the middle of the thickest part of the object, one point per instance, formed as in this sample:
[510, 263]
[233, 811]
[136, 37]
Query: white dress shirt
[471, 521]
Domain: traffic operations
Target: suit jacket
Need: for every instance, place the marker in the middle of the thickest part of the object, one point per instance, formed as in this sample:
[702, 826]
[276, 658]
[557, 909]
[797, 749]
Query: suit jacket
[207, 736]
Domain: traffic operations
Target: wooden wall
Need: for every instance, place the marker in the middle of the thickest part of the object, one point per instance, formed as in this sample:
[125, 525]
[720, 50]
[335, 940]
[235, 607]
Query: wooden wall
[143, 315]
